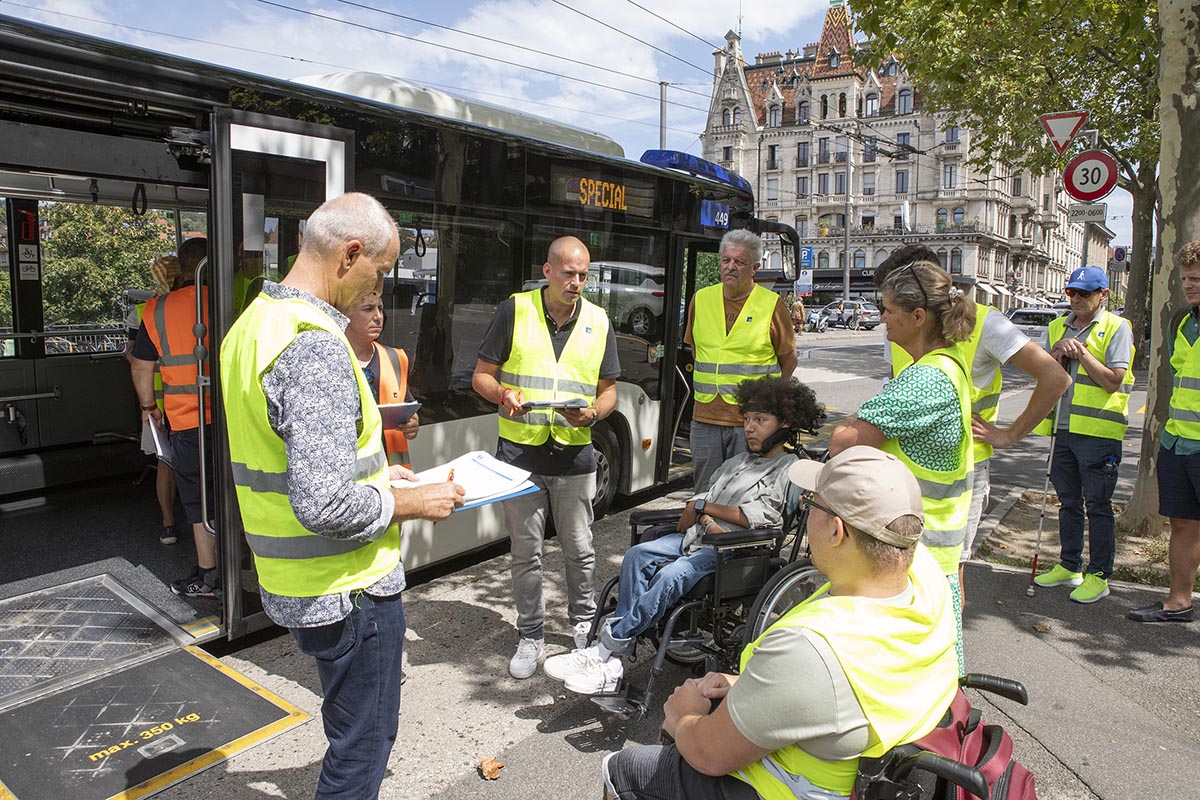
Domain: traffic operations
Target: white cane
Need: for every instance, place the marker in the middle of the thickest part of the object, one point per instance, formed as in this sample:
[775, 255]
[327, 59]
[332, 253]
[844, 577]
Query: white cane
[1037, 548]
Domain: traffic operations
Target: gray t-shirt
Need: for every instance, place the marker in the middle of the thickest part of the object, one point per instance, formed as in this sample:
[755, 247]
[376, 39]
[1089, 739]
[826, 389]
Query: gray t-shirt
[1117, 355]
[794, 691]
[755, 484]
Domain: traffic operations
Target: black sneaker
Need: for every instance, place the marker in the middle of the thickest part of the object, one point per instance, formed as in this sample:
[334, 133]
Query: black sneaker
[207, 585]
[168, 535]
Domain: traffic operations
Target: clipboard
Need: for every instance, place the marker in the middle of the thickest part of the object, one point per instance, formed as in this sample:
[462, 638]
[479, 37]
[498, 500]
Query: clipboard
[575, 402]
[396, 414]
[484, 478]
[156, 442]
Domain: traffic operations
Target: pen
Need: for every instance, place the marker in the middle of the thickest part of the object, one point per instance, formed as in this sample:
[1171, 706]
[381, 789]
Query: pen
[450, 477]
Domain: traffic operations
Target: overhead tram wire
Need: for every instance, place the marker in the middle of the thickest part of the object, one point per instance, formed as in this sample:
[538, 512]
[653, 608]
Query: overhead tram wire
[700, 39]
[300, 59]
[513, 45]
[477, 55]
[631, 36]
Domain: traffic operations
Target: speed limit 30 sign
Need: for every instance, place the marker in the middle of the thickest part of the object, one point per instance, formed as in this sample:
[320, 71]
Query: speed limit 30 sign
[1090, 175]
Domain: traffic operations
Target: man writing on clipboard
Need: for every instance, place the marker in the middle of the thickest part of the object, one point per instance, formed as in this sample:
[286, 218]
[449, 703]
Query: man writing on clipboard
[550, 345]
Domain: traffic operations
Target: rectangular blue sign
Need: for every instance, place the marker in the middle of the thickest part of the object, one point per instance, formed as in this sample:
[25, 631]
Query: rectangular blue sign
[714, 214]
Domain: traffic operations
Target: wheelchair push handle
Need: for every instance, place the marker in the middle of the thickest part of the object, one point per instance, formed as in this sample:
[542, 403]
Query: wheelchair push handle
[955, 772]
[1004, 687]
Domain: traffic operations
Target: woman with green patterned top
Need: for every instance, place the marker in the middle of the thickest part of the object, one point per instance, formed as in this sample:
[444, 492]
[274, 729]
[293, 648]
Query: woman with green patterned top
[923, 415]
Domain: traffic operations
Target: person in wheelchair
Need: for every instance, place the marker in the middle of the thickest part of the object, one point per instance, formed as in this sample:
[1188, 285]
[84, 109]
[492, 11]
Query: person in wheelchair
[747, 491]
[865, 664]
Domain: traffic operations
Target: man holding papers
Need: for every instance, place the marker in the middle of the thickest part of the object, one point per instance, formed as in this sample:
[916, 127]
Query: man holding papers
[550, 345]
[306, 446]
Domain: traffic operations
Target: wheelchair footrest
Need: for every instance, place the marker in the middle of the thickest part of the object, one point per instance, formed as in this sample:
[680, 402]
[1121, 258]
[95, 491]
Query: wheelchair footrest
[629, 702]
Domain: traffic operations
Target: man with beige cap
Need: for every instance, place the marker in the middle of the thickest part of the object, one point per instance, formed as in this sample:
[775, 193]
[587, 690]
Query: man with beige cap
[875, 647]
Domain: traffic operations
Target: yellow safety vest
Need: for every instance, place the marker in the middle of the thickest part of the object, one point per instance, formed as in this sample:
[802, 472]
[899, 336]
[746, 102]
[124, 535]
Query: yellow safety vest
[533, 369]
[986, 401]
[723, 360]
[1184, 420]
[946, 495]
[158, 384]
[1094, 411]
[291, 559]
[900, 662]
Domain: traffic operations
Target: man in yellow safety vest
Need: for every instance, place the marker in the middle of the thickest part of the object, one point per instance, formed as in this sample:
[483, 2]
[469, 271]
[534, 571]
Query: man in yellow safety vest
[738, 331]
[874, 647]
[1179, 456]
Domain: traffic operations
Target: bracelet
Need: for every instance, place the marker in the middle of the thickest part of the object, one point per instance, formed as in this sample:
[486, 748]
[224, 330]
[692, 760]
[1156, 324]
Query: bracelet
[504, 390]
[595, 417]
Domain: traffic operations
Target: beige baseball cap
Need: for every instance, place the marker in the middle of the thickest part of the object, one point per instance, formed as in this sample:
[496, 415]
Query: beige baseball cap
[868, 488]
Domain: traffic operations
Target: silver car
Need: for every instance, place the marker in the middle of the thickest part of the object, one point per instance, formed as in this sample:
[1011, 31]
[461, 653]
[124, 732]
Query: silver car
[1034, 322]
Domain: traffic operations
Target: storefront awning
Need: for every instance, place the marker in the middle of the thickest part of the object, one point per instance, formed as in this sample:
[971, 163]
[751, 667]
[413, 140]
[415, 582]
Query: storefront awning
[1004, 292]
[1033, 301]
[987, 287]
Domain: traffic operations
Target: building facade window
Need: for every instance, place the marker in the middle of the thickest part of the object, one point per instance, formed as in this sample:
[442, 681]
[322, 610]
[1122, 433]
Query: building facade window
[881, 256]
[949, 176]
[872, 106]
[823, 260]
[737, 116]
[869, 149]
[774, 116]
[803, 111]
[839, 183]
[772, 156]
[952, 133]
[1017, 186]
[860, 259]
[824, 106]
[823, 150]
[834, 60]
[942, 217]
[727, 117]
[956, 261]
[802, 186]
[868, 183]
[801, 154]
[904, 101]
[898, 222]
[802, 227]
[823, 183]
[868, 221]
[901, 181]
[842, 104]
[772, 190]
[727, 153]
[902, 145]
[958, 215]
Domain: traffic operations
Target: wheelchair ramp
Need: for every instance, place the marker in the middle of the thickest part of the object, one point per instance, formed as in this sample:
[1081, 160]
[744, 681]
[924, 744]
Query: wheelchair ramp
[99, 698]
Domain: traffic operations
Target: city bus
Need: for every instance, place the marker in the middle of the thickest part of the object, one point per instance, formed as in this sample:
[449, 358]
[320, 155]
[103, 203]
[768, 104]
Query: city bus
[150, 149]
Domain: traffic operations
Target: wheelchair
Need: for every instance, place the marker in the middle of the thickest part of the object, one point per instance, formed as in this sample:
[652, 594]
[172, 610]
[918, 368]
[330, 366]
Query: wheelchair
[706, 628]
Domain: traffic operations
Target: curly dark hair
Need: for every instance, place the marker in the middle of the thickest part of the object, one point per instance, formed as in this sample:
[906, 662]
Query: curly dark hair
[787, 398]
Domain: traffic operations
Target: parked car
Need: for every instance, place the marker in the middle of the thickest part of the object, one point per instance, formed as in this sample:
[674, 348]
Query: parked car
[870, 314]
[631, 293]
[1034, 322]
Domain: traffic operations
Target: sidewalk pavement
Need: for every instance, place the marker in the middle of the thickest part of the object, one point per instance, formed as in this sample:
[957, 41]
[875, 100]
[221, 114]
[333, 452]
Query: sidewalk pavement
[1114, 711]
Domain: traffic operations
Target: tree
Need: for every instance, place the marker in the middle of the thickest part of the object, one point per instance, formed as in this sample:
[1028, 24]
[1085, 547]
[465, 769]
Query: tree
[92, 253]
[995, 65]
[1179, 223]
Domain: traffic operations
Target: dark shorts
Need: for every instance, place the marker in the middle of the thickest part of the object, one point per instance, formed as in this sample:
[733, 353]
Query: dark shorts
[185, 452]
[655, 772]
[1178, 484]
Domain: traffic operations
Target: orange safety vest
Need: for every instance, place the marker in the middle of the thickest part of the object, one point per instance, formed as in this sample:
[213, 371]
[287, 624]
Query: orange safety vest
[174, 314]
[393, 388]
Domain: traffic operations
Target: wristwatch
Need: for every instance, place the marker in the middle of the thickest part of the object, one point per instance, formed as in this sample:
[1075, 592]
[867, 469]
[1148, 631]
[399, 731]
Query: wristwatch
[700, 507]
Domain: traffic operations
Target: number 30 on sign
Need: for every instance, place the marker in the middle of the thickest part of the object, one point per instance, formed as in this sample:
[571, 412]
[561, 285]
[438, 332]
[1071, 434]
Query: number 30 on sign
[1090, 176]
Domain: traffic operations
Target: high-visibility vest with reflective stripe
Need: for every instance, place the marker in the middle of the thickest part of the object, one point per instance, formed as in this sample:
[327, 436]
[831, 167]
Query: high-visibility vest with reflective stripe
[158, 384]
[723, 360]
[393, 388]
[1184, 419]
[169, 321]
[533, 369]
[900, 662]
[945, 494]
[986, 401]
[292, 560]
[1094, 411]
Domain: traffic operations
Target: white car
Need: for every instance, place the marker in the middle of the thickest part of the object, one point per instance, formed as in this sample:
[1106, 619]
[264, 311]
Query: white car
[1034, 322]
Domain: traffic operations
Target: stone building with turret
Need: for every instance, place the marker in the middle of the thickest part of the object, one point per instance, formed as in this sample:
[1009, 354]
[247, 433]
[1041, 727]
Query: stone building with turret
[830, 144]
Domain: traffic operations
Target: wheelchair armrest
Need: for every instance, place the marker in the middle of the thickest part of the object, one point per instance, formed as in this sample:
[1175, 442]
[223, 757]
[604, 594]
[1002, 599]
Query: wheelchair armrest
[741, 538]
[655, 516]
[1005, 687]
[955, 772]
[814, 452]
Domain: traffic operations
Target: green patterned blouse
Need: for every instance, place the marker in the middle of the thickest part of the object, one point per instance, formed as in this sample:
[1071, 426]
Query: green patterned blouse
[920, 409]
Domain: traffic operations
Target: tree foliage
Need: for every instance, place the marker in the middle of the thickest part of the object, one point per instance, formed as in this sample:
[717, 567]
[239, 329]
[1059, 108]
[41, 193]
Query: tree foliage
[92, 253]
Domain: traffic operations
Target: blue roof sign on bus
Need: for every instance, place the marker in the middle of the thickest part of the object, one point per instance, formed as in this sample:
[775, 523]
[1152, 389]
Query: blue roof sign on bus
[714, 214]
[686, 162]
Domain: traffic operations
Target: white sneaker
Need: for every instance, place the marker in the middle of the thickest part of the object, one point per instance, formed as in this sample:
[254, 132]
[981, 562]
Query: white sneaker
[580, 634]
[596, 676]
[525, 661]
[563, 666]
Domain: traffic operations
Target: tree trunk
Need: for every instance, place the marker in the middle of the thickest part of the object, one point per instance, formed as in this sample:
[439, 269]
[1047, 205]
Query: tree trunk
[1179, 223]
[1145, 196]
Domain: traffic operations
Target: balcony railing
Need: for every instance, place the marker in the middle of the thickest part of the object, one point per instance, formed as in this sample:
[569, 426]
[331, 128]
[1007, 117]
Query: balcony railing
[839, 157]
[951, 148]
[868, 191]
[823, 158]
[801, 161]
[772, 163]
[869, 157]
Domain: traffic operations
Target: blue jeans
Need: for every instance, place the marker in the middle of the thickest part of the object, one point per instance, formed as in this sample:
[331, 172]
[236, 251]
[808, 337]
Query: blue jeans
[1084, 474]
[644, 596]
[358, 661]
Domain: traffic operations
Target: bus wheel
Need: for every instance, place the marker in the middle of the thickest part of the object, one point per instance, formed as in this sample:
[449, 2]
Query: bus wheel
[608, 468]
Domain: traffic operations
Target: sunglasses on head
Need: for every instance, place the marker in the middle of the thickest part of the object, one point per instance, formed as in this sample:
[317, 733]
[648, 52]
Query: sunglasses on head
[809, 499]
[1080, 293]
[917, 278]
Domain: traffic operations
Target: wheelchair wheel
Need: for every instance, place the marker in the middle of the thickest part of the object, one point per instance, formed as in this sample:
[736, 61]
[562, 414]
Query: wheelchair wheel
[787, 588]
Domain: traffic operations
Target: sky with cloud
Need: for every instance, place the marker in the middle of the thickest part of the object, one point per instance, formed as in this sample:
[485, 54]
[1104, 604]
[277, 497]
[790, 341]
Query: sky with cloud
[595, 64]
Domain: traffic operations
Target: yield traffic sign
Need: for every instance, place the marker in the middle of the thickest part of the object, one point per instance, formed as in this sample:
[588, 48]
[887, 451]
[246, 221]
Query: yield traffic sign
[1090, 175]
[1062, 127]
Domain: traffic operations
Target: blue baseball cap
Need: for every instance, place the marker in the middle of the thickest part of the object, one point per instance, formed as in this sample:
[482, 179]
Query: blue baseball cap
[1088, 279]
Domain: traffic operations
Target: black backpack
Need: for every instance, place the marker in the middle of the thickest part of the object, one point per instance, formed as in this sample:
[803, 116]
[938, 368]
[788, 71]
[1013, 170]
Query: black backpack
[960, 759]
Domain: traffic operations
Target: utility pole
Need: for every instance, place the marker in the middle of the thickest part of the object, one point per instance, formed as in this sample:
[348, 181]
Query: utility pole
[849, 182]
[662, 115]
